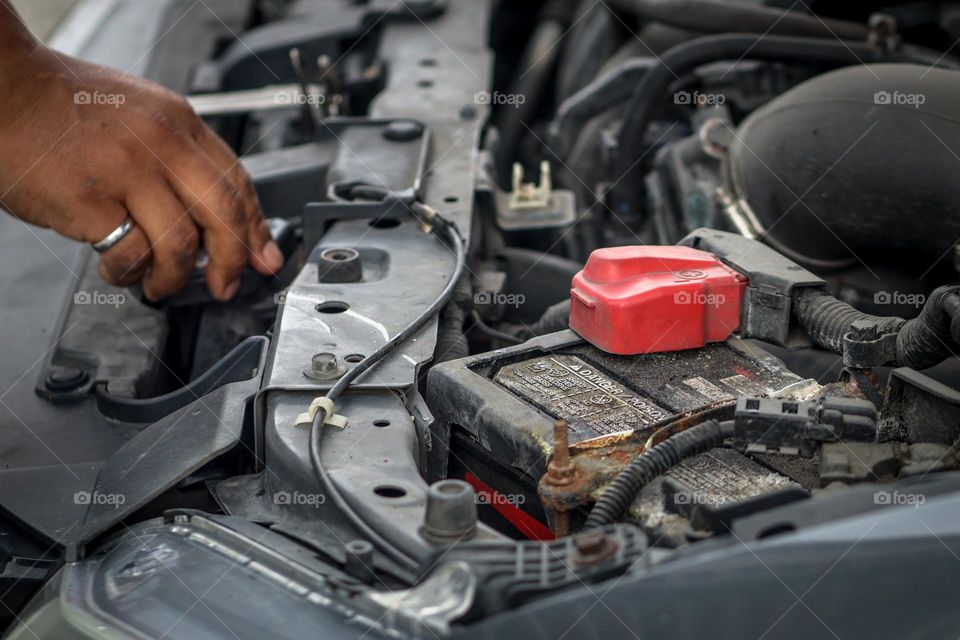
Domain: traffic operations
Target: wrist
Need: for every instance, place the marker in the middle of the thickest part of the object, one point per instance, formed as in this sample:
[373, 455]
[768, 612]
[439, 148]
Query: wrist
[24, 70]
[15, 37]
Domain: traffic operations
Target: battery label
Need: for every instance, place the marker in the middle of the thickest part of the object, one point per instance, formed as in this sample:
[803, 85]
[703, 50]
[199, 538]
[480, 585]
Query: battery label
[708, 390]
[567, 387]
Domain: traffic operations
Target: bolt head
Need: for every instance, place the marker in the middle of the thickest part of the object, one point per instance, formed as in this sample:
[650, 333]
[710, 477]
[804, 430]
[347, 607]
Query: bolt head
[325, 366]
[63, 380]
[593, 548]
[589, 542]
[403, 130]
[324, 362]
[864, 329]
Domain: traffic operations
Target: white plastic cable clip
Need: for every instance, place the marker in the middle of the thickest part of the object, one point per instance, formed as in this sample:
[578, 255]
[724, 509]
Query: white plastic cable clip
[330, 419]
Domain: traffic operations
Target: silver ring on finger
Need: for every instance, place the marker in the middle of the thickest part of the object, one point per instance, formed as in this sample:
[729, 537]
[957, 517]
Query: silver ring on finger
[115, 236]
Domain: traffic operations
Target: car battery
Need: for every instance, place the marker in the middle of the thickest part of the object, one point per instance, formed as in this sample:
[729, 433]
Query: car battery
[494, 412]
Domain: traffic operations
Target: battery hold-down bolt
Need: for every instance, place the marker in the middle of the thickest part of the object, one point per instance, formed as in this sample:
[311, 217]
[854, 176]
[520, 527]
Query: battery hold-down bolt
[561, 472]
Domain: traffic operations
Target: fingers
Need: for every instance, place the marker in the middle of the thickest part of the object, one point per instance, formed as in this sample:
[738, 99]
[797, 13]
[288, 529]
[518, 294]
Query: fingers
[207, 195]
[173, 237]
[265, 255]
[125, 263]
[217, 206]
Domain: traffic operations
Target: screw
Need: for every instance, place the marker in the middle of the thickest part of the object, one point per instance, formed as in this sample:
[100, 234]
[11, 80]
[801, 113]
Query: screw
[593, 548]
[324, 363]
[325, 366]
[403, 130]
[561, 472]
[589, 543]
[561, 523]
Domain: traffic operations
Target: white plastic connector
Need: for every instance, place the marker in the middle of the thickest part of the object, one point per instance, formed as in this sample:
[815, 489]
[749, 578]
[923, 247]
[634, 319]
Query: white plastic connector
[529, 195]
[331, 419]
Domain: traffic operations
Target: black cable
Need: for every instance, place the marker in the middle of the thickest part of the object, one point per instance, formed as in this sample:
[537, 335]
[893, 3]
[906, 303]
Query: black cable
[711, 16]
[652, 463]
[490, 332]
[677, 61]
[555, 318]
[442, 228]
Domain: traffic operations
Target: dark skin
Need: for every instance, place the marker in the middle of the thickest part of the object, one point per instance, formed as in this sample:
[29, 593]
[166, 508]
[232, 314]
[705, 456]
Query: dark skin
[81, 165]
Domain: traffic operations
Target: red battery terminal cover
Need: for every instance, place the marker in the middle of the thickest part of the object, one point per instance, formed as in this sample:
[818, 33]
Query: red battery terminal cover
[630, 300]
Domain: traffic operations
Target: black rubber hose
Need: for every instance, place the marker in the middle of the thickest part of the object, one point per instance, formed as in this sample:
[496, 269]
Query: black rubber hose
[684, 58]
[555, 318]
[826, 320]
[653, 463]
[534, 74]
[927, 340]
[451, 338]
[450, 233]
[922, 342]
[591, 40]
[492, 333]
[951, 304]
[606, 92]
[724, 17]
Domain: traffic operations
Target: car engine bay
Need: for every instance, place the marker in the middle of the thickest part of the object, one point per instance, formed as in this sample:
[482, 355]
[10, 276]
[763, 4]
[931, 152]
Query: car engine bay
[624, 318]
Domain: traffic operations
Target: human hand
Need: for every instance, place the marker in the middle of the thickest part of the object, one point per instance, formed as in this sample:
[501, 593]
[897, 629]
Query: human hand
[83, 147]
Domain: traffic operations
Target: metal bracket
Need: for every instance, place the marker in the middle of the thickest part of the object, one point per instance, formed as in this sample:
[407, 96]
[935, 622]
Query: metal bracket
[768, 299]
